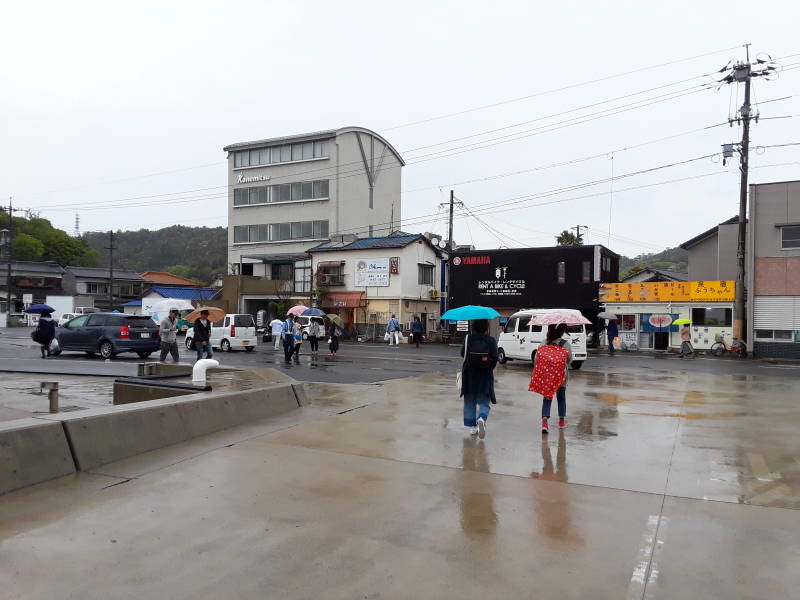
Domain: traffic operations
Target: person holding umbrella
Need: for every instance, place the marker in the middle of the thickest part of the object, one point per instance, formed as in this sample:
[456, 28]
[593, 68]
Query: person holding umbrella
[202, 336]
[551, 365]
[686, 337]
[476, 381]
[45, 333]
[334, 331]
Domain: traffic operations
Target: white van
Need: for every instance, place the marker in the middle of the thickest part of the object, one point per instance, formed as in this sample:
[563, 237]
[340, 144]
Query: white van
[230, 332]
[519, 340]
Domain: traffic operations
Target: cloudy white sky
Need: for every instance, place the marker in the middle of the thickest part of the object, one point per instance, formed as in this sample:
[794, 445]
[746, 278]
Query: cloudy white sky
[119, 111]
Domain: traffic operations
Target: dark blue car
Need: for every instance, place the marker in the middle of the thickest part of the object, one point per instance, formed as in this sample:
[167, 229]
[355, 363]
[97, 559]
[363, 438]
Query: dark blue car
[109, 334]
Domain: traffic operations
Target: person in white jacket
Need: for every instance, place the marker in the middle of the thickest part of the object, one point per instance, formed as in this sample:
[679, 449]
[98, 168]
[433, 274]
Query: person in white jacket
[276, 325]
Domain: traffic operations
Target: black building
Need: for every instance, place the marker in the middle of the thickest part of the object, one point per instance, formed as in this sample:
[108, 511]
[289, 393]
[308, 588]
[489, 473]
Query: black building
[514, 279]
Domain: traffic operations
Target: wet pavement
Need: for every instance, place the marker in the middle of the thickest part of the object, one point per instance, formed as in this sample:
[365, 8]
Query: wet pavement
[21, 397]
[665, 484]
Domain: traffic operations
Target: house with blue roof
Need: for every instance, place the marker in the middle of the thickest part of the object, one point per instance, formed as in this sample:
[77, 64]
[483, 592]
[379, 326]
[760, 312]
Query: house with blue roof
[366, 280]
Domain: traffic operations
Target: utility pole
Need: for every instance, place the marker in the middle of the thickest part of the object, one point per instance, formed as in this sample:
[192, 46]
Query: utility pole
[110, 249]
[8, 258]
[450, 222]
[743, 72]
[577, 229]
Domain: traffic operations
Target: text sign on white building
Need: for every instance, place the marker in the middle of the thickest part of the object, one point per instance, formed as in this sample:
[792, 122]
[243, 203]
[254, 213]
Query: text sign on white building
[372, 272]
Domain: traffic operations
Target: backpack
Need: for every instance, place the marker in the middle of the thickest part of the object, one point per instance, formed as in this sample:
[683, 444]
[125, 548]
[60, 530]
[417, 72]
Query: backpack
[548, 370]
[478, 354]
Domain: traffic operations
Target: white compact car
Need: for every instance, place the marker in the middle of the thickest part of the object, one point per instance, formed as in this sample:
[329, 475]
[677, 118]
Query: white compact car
[65, 317]
[519, 340]
[230, 333]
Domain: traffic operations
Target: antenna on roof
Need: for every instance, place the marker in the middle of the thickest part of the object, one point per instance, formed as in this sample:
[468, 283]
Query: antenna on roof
[77, 225]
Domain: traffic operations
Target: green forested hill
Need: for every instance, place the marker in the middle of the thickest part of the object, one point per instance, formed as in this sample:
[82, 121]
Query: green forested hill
[674, 259]
[195, 252]
[201, 252]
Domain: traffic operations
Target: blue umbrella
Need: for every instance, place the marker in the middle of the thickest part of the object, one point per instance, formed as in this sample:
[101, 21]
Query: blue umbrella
[37, 309]
[313, 312]
[470, 313]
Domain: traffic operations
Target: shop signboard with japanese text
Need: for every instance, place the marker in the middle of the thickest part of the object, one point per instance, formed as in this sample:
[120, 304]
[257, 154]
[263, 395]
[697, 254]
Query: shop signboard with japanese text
[668, 291]
[372, 272]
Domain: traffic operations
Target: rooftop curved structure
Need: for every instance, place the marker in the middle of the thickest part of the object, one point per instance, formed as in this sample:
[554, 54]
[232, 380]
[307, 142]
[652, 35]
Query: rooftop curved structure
[308, 137]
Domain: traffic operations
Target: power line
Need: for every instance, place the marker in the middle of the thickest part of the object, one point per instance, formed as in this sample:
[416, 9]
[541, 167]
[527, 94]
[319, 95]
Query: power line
[559, 89]
[478, 145]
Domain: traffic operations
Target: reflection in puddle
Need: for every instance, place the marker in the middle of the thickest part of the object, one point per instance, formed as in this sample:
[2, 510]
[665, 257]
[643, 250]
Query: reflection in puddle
[478, 516]
[547, 472]
[591, 422]
[552, 508]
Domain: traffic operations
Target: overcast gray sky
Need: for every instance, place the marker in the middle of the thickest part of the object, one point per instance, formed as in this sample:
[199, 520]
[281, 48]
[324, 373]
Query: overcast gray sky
[105, 103]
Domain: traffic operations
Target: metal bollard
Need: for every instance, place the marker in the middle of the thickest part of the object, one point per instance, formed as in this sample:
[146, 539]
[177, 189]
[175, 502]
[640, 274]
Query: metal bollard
[52, 393]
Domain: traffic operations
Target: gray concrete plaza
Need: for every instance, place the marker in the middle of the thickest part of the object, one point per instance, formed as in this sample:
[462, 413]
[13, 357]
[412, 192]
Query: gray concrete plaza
[666, 484]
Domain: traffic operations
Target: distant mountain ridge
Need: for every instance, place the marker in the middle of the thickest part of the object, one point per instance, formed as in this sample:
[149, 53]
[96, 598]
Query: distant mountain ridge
[201, 252]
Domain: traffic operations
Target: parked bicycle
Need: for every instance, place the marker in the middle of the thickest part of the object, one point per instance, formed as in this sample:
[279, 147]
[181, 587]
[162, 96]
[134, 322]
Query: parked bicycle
[737, 347]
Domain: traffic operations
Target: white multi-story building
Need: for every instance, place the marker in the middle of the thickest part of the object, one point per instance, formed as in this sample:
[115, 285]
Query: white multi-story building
[291, 193]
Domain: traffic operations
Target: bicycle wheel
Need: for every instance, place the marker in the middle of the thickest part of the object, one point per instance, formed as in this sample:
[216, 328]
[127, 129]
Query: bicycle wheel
[718, 349]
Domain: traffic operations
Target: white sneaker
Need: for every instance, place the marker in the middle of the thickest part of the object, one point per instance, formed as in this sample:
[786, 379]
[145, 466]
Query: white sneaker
[481, 428]
[473, 431]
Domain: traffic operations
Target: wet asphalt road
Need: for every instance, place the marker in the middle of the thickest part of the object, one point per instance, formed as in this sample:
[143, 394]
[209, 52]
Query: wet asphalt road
[368, 362]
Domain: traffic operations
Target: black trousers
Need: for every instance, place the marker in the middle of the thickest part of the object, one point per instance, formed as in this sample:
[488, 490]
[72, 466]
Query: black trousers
[314, 341]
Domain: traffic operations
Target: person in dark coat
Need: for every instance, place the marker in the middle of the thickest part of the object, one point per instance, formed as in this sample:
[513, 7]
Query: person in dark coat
[477, 377]
[45, 332]
[417, 330]
[202, 336]
[612, 331]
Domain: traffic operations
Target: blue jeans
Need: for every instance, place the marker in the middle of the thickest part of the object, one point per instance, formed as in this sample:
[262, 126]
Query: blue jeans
[561, 397]
[476, 402]
[209, 352]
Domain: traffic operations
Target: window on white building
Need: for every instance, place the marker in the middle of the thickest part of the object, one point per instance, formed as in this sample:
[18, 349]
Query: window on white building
[280, 154]
[425, 274]
[712, 317]
[302, 276]
[270, 194]
[790, 237]
[278, 232]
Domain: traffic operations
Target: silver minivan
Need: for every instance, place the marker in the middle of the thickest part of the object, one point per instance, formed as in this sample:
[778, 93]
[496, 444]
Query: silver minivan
[519, 339]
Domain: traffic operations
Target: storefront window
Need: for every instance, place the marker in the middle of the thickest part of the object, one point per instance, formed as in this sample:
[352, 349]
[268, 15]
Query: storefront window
[712, 317]
[628, 322]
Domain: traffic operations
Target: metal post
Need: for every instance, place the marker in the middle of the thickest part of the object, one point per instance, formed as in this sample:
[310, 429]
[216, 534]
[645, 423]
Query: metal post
[52, 393]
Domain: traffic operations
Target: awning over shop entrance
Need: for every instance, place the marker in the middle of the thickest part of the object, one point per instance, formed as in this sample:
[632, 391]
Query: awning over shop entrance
[343, 300]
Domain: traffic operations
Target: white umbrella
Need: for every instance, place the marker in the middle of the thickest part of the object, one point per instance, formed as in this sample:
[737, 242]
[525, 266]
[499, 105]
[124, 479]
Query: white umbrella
[608, 315]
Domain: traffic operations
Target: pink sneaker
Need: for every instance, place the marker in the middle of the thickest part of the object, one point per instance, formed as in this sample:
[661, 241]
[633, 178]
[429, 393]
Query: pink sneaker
[562, 423]
[545, 426]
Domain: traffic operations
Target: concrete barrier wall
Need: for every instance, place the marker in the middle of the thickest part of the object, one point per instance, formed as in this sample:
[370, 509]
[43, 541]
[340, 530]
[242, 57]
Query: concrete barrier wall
[32, 451]
[104, 435]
